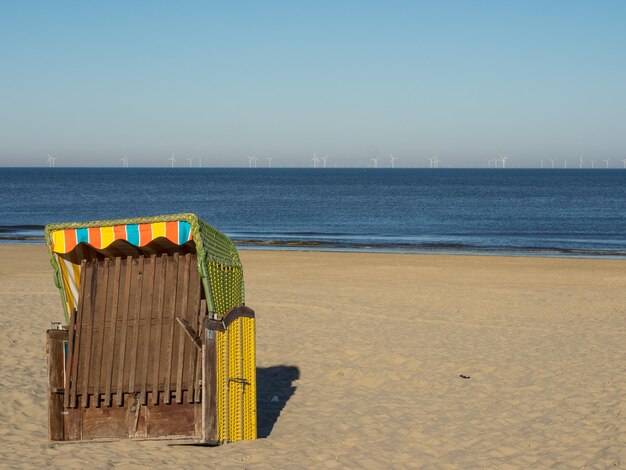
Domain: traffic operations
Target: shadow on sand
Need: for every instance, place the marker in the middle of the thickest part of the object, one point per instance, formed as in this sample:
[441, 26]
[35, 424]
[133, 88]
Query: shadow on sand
[274, 388]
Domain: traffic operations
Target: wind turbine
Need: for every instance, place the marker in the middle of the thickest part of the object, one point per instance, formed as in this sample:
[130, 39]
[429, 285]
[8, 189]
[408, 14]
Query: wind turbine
[199, 162]
[436, 161]
[172, 159]
[315, 160]
[624, 160]
[392, 160]
[124, 160]
[565, 164]
[504, 159]
[593, 163]
[580, 162]
[432, 161]
[607, 162]
[252, 161]
[190, 160]
[552, 160]
[324, 160]
[269, 161]
[51, 160]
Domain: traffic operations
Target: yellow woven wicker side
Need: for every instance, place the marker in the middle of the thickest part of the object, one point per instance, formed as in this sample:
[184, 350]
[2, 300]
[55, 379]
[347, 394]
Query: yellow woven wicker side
[235, 386]
[237, 400]
[236, 358]
[249, 374]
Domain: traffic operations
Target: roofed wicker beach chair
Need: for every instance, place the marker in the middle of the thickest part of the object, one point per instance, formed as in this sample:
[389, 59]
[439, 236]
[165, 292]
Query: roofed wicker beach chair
[157, 342]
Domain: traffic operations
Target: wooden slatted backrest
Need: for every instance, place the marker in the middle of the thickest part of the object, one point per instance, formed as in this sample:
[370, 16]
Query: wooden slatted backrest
[124, 337]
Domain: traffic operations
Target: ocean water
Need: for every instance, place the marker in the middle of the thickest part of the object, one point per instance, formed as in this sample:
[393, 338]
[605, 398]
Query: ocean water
[536, 212]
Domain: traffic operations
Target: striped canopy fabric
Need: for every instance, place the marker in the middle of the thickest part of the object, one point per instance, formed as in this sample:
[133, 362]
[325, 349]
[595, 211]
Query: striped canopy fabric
[65, 240]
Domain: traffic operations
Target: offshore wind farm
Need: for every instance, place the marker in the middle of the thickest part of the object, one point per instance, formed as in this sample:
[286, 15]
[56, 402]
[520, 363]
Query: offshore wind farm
[317, 160]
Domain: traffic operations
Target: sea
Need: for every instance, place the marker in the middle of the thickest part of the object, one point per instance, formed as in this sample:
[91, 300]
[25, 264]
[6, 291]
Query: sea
[529, 212]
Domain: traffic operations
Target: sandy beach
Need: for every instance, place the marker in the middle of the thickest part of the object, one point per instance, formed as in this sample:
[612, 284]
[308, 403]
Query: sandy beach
[365, 353]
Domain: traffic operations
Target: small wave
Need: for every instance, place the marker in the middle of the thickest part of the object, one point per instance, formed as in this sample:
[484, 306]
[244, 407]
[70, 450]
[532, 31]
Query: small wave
[427, 247]
[22, 233]
[263, 235]
[20, 228]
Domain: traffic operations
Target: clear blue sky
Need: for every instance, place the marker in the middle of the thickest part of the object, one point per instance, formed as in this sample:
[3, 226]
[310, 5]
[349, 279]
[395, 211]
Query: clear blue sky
[92, 81]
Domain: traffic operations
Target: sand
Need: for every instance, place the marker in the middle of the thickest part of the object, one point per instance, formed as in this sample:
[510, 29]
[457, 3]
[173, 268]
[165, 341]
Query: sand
[365, 353]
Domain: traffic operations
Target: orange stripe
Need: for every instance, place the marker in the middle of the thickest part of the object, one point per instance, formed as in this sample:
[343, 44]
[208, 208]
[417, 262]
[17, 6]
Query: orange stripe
[120, 232]
[145, 234]
[70, 240]
[171, 231]
[94, 237]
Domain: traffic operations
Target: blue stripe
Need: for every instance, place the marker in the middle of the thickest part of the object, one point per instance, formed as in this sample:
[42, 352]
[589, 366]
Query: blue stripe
[82, 235]
[132, 234]
[183, 232]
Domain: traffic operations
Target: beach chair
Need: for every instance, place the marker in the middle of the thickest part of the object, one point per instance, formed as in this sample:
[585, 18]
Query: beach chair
[157, 342]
